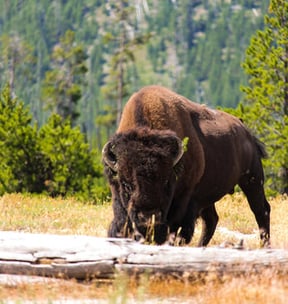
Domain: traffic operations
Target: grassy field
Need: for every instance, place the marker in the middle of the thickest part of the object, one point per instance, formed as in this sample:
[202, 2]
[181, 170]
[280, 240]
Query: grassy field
[46, 215]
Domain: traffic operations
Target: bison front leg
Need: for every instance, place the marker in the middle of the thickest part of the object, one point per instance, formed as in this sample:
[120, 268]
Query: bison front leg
[120, 225]
[210, 220]
[183, 231]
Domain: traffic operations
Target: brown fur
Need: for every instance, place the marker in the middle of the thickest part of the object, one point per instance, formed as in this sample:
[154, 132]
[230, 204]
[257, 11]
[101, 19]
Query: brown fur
[221, 153]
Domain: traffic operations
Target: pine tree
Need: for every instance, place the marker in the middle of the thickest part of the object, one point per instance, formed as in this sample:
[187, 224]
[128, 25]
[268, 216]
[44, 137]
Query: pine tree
[125, 38]
[62, 84]
[16, 56]
[265, 108]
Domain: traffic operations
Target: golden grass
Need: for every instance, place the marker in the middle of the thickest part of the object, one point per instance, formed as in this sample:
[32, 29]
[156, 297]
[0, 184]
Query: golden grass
[67, 216]
[41, 214]
[49, 291]
[235, 214]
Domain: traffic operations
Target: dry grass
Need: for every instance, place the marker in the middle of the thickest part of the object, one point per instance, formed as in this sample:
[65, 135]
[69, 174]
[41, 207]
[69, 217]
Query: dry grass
[235, 214]
[46, 215]
[53, 290]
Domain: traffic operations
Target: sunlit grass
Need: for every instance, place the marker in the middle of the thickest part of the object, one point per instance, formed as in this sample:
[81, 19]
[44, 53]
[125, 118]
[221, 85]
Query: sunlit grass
[40, 214]
[236, 222]
[235, 214]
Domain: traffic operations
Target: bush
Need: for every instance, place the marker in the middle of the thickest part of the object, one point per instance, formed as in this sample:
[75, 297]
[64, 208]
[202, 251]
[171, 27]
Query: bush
[55, 159]
[75, 170]
[22, 164]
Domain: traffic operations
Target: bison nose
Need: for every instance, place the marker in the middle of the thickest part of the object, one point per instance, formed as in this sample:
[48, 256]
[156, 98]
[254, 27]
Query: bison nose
[149, 217]
[156, 234]
[149, 227]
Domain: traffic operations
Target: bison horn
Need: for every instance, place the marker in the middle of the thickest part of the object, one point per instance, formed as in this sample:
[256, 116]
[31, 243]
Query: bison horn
[109, 157]
[180, 152]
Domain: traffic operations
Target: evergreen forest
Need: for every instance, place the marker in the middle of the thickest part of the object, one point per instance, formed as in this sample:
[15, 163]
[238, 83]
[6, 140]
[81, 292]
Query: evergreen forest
[69, 66]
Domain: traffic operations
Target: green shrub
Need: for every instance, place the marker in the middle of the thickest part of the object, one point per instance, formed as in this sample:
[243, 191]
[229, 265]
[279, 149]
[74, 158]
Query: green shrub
[55, 159]
[75, 170]
[22, 164]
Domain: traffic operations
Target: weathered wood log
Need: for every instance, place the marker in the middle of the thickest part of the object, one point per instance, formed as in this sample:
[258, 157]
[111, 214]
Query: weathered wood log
[84, 257]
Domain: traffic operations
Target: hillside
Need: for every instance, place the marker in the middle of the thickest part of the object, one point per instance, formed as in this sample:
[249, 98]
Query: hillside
[195, 48]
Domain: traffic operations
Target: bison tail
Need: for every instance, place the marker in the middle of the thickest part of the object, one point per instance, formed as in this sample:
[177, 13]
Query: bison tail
[260, 148]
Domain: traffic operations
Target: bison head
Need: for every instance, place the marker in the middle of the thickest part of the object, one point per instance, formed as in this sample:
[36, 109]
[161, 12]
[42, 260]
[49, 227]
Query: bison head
[140, 165]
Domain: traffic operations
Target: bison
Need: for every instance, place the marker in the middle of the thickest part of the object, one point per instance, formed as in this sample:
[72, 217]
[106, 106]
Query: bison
[171, 160]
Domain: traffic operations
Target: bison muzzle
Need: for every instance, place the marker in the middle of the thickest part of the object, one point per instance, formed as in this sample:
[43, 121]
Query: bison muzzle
[160, 186]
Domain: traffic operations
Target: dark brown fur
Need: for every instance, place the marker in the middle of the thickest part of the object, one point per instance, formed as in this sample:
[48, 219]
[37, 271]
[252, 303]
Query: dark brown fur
[221, 153]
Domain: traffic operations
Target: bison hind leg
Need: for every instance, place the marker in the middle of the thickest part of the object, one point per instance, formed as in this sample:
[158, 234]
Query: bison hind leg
[210, 220]
[254, 191]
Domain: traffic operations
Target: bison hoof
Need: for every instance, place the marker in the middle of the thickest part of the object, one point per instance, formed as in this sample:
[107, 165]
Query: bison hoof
[139, 238]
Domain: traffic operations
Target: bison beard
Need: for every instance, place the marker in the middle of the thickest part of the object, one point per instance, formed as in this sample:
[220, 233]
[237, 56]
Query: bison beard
[158, 189]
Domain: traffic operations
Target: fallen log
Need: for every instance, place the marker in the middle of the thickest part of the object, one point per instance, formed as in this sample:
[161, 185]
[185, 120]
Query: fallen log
[86, 257]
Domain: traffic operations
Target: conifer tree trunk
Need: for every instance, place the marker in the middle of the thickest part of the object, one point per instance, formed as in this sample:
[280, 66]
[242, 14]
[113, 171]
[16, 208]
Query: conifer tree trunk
[120, 78]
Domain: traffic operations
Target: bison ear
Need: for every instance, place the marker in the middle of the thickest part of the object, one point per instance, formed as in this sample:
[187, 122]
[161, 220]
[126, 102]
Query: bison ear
[109, 157]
